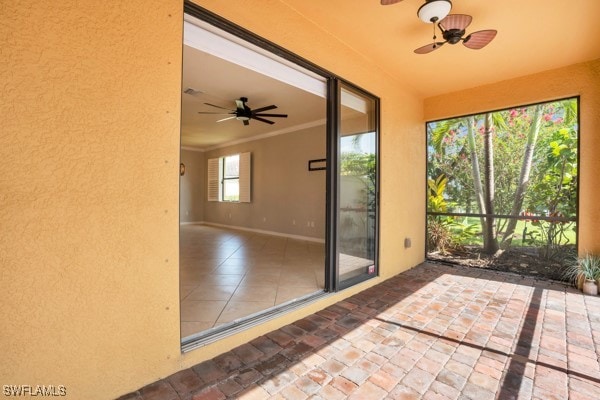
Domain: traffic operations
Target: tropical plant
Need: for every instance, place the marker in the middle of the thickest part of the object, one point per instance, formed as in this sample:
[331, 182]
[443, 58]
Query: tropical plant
[444, 232]
[585, 267]
[509, 162]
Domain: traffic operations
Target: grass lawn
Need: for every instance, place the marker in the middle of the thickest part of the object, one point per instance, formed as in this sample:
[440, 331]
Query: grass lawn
[533, 232]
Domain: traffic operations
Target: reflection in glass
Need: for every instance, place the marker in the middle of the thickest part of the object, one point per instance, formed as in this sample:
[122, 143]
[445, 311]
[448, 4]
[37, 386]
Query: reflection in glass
[357, 187]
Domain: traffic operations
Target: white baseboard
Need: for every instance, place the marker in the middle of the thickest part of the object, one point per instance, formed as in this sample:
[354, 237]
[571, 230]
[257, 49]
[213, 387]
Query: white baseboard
[192, 223]
[262, 231]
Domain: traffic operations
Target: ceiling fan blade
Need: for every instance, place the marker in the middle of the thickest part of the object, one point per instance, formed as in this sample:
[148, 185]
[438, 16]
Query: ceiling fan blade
[225, 119]
[429, 48]
[455, 21]
[266, 121]
[223, 108]
[388, 2]
[479, 39]
[267, 108]
[217, 113]
[269, 115]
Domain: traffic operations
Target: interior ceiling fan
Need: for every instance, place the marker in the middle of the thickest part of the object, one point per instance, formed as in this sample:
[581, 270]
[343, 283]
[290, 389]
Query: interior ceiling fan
[244, 113]
[453, 31]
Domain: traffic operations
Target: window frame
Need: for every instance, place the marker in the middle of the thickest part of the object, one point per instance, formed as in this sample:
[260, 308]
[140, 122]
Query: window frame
[576, 220]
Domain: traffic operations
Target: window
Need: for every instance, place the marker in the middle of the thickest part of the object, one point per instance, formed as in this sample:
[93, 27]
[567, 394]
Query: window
[229, 178]
[503, 189]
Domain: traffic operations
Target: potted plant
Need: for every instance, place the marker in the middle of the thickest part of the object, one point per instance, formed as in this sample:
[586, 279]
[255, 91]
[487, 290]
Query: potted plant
[585, 273]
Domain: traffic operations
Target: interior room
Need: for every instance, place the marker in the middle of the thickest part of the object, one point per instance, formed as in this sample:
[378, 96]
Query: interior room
[252, 235]
[243, 253]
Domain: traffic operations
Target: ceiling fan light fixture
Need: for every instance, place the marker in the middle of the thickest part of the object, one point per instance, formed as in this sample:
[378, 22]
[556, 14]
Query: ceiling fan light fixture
[242, 118]
[434, 10]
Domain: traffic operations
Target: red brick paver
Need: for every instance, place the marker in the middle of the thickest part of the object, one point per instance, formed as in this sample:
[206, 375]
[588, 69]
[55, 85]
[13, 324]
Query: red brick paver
[433, 332]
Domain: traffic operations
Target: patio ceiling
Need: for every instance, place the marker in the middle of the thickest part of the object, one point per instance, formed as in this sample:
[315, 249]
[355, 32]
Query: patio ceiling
[533, 36]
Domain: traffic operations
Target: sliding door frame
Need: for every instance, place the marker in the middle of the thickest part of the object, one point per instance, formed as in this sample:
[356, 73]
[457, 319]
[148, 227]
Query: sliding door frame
[333, 100]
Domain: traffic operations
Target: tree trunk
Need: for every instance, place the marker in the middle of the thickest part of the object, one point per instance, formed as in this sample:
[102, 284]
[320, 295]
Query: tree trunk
[524, 177]
[475, 168]
[490, 241]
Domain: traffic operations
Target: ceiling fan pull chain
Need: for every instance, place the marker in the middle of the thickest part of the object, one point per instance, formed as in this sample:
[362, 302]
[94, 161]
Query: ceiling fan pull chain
[434, 37]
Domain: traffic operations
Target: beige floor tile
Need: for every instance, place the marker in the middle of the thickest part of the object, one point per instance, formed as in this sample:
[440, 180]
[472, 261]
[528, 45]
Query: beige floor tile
[261, 279]
[255, 293]
[207, 311]
[225, 280]
[306, 279]
[227, 274]
[185, 290]
[211, 292]
[240, 309]
[238, 262]
[231, 269]
[289, 293]
[189, 328]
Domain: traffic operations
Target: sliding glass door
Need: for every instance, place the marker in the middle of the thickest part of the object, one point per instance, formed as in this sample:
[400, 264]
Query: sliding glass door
[357, 186]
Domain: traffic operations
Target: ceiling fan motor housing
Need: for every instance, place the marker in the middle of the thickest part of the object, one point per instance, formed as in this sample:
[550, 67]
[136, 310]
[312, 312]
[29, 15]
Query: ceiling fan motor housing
[243, 113]
[453, 36]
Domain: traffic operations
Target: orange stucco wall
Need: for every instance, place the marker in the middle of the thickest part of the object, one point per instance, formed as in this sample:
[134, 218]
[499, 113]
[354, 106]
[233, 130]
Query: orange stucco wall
[89, 185]
[580, 79]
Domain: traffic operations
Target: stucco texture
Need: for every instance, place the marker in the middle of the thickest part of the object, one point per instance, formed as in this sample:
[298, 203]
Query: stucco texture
[89, 144]
[576, 80]
[89, 186]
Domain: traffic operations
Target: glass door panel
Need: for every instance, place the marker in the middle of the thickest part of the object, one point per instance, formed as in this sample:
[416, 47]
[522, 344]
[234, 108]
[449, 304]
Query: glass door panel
[357, 187]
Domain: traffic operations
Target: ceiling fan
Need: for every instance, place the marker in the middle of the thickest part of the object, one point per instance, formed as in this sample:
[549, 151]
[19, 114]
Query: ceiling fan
[453, 31]
[244, 113]
[430, 12]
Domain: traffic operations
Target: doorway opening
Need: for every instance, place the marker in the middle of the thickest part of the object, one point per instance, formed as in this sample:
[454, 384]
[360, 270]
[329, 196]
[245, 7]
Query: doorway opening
[277, 156]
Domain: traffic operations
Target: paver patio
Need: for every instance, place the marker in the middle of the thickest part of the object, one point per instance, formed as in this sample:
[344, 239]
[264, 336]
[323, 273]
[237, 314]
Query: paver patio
[433, 332]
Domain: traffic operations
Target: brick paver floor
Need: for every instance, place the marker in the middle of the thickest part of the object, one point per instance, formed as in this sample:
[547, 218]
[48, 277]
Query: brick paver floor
[433, 332]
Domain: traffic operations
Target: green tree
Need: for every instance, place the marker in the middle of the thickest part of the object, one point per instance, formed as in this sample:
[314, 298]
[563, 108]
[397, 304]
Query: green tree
[528, 157]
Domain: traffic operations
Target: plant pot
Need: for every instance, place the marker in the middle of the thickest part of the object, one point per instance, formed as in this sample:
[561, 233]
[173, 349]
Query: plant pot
[579, 281]
[590, 287]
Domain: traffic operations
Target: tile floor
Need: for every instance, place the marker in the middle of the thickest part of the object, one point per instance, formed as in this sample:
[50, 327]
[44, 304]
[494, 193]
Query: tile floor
[228, 274]
[433, 332]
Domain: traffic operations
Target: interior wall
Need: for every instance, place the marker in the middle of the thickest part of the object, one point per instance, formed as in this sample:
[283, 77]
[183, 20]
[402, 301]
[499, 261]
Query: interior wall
[89, 183]
[580, 79]
[192, 191]
[286, 198]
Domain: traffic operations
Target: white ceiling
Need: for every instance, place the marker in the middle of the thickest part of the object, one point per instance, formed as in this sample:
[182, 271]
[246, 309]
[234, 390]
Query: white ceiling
[221, 82]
